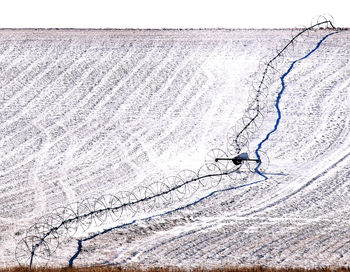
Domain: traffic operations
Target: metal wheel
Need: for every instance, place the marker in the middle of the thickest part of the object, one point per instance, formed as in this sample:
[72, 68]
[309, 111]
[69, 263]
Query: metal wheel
[225, 166]
[85, 213]
[110, 207]
[129, 207]
[210, 175]
[177, 188]
[46, 228]
[191, 182]
[32, 250]
[144, 197]
[23, 252]
[69, 220]
[163, 195]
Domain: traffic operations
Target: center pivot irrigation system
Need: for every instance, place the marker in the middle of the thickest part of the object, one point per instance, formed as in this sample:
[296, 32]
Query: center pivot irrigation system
[78, 220]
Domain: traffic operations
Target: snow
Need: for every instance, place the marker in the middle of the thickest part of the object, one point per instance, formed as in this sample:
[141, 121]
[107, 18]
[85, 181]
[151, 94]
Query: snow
[92, 112]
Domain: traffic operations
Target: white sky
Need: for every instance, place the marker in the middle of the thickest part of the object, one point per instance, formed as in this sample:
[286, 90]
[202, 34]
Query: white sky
[169, 14]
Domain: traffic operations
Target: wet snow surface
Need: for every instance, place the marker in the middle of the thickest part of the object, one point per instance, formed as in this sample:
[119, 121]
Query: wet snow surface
[85, 113]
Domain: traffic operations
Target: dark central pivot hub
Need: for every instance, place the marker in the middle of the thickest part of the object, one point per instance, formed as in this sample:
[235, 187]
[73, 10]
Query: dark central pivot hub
[238, 159]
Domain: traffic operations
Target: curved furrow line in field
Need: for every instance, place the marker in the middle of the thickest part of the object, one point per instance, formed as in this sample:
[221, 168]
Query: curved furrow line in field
[111, 117]
[27, 99]
[315, 140]
[77, 94]
[20, 125]
[154, 135]
[215, 109]
[52, 122]
[83, 115]
[204, 245]
[19, 144]
[109, 130]
[93, 93]
[198, 242]
[142, 59]
[14, 206]
[184, 82]
[33, 64]
[313, 146]
[197, 82]
[154, 109]
[113, 120]
[224, 252]
[330, 200]
[320, 240]
[179, 245]
[177, 68]
[188, 63]
[10, 146]
[13, 180]
[336, 240]
[23, 155]
[6, 49]
[236, 201]
[185, 97]
[308, 202]
[15, 143]
[312, 249]
[230, 240]
[174, 240]
[182, 127]
[13, 52]
[151, 85]
[9, 186]
[288, 243]
[113, 101]
[343, 248]
[338, 124]
[69, 70]
[300, 189]
[130, 139]
[100, 130]
[169, 240]
[72, 113]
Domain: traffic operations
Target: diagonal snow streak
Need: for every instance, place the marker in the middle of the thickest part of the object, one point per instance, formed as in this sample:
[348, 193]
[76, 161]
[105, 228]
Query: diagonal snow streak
[279, 116]
[279, 96]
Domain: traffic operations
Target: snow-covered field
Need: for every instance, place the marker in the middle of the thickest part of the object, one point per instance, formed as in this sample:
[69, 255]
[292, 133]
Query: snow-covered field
[90, 112]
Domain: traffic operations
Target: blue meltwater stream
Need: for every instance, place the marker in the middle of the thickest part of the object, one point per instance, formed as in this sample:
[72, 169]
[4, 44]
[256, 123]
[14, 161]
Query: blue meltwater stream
[263, 175]
[279, 96]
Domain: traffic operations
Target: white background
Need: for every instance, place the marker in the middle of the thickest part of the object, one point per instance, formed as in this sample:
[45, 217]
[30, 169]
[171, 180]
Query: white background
[169, 14]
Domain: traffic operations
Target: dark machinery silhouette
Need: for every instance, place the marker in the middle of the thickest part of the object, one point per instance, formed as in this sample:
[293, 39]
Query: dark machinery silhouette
[238, 159]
